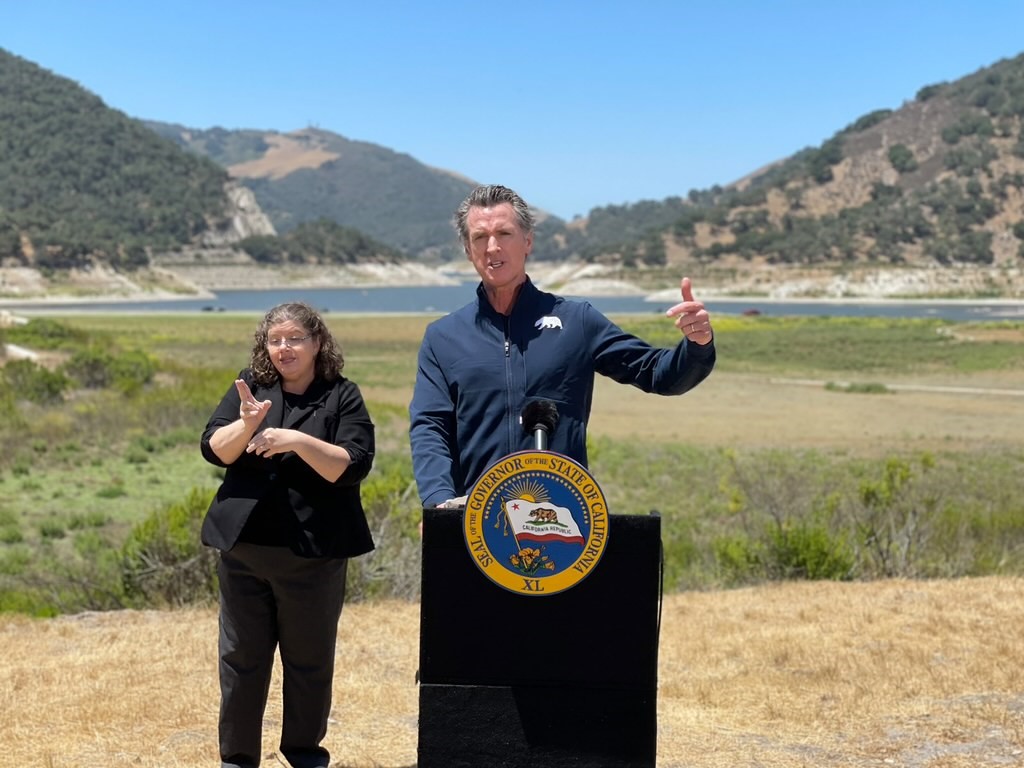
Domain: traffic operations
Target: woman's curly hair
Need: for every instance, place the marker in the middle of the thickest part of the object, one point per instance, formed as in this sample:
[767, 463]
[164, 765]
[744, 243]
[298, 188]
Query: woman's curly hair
[329, 361]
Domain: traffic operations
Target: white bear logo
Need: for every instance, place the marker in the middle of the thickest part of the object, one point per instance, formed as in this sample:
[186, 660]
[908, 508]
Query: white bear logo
[549, 321]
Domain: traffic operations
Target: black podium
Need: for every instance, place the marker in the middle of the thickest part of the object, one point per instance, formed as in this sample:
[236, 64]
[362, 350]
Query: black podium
[568, 679]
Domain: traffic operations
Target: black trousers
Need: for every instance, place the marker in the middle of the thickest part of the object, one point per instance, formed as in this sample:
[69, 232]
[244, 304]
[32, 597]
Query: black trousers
[270, 597]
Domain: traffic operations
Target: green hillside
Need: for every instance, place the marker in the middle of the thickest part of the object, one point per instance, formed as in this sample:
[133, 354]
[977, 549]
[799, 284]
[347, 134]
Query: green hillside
[80, 180]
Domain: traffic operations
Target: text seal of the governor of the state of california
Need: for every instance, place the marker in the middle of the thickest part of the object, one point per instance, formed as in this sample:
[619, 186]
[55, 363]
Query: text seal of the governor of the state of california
[536, 523]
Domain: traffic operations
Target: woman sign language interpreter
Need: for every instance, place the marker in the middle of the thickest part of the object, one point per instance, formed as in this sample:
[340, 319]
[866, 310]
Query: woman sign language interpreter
[295, 440]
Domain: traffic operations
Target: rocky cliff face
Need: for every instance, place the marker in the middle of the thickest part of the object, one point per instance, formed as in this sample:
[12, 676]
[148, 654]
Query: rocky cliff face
[243, 218]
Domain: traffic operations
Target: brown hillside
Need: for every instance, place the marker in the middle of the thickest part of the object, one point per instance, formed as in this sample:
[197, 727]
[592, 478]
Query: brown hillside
[287, 153]
[936, 183]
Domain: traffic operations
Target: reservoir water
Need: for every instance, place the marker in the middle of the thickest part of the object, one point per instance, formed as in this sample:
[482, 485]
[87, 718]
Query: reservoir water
[443, 299]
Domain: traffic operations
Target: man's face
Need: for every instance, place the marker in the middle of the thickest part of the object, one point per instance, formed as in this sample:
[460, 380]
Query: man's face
[497, 245]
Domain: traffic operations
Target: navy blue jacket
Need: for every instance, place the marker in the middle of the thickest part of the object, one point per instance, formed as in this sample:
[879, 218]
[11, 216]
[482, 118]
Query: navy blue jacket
[478, 368]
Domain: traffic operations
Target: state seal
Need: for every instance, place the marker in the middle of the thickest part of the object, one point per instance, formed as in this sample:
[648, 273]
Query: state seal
[536, 523]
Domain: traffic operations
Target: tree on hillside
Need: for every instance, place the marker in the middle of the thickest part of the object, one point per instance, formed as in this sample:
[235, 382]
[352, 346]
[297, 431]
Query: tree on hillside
[902, 158]
[318, 242]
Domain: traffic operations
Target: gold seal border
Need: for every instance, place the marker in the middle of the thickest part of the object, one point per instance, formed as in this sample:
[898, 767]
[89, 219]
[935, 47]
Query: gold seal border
[511, 467]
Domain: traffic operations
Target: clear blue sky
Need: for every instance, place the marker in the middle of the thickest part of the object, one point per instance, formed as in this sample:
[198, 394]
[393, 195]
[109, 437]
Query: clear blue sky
[574, 103]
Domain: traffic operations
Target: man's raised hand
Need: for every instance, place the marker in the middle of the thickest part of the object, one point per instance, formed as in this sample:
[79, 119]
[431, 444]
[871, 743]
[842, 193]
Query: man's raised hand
[691, 316]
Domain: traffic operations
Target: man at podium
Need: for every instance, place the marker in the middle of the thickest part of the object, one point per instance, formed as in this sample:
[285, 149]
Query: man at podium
[513, 344]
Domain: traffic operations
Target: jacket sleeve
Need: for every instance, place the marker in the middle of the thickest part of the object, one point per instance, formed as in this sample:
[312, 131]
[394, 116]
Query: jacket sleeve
[355, 433]
[432, 429]
[225, 413]
[630, 360]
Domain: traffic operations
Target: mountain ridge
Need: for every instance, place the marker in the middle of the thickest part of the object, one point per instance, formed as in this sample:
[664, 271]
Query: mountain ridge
[934, 189]
[310, 173]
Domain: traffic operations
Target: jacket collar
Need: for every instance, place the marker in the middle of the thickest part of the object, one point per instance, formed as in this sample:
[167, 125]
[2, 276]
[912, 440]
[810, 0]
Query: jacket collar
[525, 302]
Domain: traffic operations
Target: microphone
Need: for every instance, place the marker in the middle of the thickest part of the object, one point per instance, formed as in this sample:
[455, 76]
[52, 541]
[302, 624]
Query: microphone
[539, 418]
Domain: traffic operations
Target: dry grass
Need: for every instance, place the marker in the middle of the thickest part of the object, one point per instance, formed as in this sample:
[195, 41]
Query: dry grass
[915, 674]
[761, 411]
[286, 155]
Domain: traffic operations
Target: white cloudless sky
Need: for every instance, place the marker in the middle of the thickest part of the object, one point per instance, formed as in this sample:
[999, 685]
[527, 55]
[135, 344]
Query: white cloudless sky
[574, 103]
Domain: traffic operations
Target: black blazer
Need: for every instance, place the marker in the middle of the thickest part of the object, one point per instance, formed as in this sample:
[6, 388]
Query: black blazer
[330, 515]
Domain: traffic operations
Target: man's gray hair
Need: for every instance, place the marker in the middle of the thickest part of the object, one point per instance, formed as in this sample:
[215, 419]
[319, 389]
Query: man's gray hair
[488, 196]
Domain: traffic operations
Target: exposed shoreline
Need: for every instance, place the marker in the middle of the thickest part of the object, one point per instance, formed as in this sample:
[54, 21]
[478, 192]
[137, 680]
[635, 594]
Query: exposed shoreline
[661, 297]
[951, 286]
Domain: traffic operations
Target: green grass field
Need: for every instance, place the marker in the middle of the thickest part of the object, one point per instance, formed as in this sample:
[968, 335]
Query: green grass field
[845, 475]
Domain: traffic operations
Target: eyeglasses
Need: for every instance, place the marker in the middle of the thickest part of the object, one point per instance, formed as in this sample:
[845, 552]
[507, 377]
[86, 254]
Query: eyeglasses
[291, 341]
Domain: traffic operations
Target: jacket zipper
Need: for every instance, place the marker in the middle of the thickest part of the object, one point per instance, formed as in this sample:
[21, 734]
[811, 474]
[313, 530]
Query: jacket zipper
[510, 416]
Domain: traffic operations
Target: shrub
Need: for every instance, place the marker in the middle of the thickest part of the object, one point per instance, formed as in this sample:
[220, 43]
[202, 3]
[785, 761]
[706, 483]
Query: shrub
[807, 550]
[885, 194]
[861, 388]
[263, 248]
[11, 534]
[968, 160]
[9, 414]
[51, 529]
[969, 124]
[795, 549]
[786, 513]
[136, 455]
[90, 368]
[33, 382]
[393, 513]
[820, 161]
[974, 247]
[14, 561]
[43, 333]
[163, 561]
[96, 369]
[902, 159]
[870, 119]
[132, 370]
[738, 560]
[895, 516]
[88, 520]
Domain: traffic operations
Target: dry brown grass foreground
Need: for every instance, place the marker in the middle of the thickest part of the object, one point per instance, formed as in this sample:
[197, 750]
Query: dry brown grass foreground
[896, 673]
